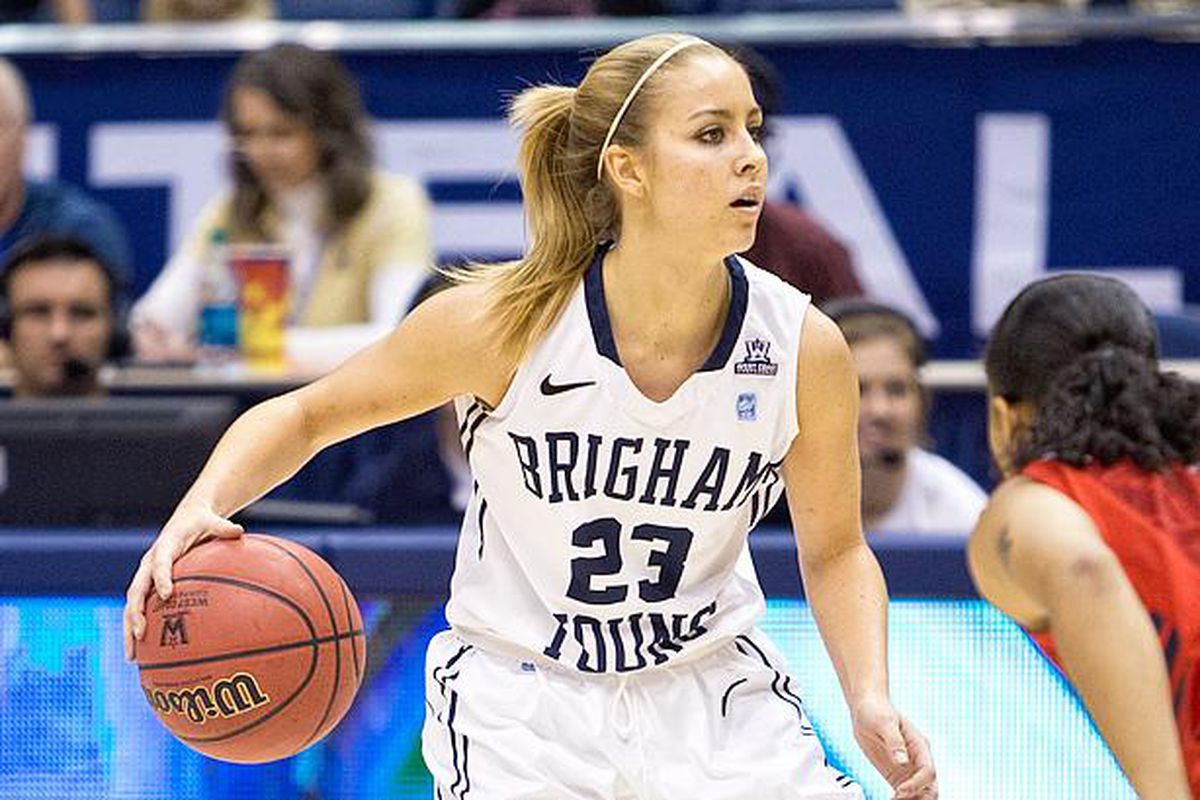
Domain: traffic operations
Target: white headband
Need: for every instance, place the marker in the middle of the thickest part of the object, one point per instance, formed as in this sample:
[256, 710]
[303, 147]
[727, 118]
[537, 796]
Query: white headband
[650, 70]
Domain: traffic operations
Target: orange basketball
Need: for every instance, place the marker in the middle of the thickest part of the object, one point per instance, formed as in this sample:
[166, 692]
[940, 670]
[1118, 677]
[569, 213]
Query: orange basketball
[257, 653]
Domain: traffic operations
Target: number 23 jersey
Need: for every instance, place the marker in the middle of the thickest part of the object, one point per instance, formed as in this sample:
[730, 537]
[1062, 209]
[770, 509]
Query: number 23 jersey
[606, 532]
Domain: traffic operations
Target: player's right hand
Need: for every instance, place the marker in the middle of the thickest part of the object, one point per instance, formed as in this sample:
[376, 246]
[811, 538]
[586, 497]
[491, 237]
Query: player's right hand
[896, 748]
[187, 527]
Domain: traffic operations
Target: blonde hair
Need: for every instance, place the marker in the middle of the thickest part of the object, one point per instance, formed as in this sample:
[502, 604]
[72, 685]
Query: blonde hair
[569, 211]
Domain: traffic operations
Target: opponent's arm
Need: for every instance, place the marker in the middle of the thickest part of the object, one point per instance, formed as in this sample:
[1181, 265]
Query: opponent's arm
[842, 579]
[1038, 557]
[444, 348]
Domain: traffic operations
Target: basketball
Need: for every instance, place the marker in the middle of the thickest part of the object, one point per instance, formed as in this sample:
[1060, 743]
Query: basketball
[258, 652]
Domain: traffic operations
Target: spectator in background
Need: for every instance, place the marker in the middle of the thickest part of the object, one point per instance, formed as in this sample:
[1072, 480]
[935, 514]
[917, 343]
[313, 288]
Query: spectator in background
[302, 178]
[789, 242]
[69, 12]
[905, 489]
[28, 207]
[60, 310]
[31, 208]
[206, 10]
[1092, 543]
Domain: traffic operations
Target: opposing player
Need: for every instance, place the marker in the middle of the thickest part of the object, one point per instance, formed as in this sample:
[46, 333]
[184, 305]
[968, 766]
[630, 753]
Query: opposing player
[1093, 541]
[632, 399]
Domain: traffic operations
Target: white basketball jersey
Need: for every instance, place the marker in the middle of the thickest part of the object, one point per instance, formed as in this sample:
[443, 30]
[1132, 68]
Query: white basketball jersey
[607, 532]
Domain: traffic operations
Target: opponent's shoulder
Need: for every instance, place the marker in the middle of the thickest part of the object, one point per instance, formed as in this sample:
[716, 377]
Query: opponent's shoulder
[1028, 521]
[1015, 507]
[1027, 503]
[989, 554]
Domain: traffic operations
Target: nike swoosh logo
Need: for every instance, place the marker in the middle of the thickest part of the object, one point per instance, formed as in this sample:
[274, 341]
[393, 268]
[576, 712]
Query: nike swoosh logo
[549, 388]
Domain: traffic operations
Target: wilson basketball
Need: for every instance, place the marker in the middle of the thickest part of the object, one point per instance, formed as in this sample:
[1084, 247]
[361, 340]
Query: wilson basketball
[257, 653]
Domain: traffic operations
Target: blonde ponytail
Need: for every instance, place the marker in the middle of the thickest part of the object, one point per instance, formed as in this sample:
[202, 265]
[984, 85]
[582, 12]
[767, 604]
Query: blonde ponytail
[526, 296]
[569, 207]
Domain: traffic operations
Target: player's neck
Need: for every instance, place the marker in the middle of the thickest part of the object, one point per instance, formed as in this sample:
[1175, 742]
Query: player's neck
[674, 299]
[659, 275]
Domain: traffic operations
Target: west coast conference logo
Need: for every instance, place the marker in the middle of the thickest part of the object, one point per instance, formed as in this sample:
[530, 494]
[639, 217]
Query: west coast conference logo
[758, 359]
[225, 697]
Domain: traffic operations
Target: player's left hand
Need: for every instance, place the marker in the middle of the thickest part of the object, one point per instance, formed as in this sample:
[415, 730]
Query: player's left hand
[897, 749]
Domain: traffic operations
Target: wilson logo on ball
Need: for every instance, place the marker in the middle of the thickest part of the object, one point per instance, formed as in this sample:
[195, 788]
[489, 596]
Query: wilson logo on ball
[227, 697]
[179, 601]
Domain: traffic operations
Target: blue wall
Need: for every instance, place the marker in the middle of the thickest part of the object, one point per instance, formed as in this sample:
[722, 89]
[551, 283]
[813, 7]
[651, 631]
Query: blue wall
[1097, 137]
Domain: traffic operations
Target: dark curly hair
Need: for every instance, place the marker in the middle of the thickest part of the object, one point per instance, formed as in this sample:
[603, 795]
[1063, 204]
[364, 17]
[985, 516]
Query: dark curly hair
[1083, 351]
[316, 88]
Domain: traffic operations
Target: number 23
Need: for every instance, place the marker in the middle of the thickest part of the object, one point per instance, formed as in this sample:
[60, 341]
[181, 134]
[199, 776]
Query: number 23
[607, 531]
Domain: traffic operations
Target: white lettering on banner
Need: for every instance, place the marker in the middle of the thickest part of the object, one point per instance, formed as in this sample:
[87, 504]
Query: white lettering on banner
[813, 154]
[188, 157]
[1012, 158]
[1012, 190]
[41, 151]
[480, 151]
[149, 153]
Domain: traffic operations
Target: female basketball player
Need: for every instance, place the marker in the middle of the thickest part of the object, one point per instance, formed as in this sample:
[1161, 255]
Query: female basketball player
[629, 411]
[1093, 542]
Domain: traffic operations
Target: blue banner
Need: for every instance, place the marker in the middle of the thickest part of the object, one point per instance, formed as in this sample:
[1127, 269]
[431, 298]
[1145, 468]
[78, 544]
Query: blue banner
[1001, 720]
[954, 175]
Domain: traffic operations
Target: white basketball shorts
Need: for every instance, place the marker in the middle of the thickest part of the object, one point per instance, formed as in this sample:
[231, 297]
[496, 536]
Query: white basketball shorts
[725, 727]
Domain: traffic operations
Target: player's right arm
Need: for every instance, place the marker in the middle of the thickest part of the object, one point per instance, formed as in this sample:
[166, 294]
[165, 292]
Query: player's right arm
[1037, 555]
[446, 347]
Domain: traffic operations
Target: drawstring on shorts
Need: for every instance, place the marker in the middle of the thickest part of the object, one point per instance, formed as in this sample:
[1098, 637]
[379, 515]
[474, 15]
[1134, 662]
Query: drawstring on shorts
[624, 723]
[622, 705]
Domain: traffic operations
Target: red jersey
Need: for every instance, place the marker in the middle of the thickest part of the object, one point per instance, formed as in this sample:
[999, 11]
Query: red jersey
[1151, 522]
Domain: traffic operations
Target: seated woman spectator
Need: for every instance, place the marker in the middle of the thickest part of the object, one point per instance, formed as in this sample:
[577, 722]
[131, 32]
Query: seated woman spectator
[206, 10]
[905, 489]
[302, 178]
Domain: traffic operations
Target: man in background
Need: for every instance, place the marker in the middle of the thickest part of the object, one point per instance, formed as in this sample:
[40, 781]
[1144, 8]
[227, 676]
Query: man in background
[29, 207]
[60, 310]
[32, 208]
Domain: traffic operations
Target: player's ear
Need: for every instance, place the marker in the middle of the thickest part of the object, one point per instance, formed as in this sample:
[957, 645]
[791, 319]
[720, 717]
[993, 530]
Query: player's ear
[1008, 421]
[625, 170]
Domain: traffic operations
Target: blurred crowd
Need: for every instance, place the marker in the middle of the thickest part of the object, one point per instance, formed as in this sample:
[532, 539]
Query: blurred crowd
[302, 179]
[76, 12]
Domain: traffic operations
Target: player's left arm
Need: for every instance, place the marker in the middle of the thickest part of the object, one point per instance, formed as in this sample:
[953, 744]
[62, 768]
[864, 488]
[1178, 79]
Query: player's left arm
[1037, 555]
[842, 579]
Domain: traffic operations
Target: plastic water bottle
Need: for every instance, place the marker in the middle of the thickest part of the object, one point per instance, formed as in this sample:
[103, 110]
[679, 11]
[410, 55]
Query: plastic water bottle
[218, 334]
